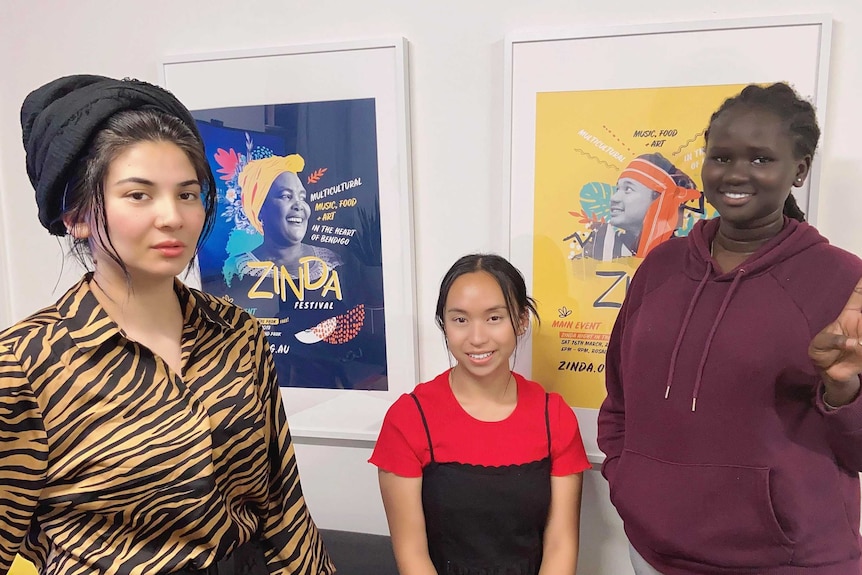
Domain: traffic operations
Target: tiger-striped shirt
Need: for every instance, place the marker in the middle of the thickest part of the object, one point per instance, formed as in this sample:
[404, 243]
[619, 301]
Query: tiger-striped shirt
[111, 463]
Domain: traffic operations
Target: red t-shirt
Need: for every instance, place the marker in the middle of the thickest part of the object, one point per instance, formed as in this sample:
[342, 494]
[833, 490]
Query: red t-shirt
[402, 447]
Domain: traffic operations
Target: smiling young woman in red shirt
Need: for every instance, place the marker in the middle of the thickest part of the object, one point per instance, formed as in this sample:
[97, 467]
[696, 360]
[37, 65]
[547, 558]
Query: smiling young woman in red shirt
[480, 468]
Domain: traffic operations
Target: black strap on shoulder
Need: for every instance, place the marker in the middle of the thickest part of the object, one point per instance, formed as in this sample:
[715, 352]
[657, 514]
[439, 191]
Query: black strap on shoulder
[548, 422]
[425, 425]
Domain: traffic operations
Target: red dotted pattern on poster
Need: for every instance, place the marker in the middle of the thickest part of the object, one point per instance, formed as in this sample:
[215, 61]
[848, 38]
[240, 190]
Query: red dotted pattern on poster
[348, 325]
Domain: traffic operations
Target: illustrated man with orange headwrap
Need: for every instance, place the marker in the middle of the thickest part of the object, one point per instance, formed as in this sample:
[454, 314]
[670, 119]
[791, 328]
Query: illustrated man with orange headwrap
[274, 201]
[645, 209]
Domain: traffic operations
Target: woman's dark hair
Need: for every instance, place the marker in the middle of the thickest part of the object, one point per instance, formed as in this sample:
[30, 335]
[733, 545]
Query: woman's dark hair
[85, 196]
[798, 114]
[510, 280]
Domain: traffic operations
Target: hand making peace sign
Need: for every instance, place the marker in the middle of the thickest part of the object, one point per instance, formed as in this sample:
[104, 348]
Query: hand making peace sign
[837, 351]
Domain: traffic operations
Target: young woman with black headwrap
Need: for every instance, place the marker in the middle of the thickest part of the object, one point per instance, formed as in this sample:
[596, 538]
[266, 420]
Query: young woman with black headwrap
[141, 425]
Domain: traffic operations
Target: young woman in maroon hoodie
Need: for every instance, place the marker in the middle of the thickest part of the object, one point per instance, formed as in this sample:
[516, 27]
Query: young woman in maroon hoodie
[733, 421]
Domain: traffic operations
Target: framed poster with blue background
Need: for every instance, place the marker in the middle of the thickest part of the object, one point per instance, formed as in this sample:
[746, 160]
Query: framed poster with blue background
[313, 234]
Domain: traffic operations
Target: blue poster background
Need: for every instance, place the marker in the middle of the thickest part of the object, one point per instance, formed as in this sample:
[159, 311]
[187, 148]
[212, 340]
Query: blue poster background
[324, 317]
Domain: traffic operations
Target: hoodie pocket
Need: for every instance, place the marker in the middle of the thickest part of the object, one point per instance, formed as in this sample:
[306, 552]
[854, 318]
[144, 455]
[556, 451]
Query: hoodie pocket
[713, 514]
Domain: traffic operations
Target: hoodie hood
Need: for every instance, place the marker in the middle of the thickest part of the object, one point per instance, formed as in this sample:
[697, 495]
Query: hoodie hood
[793, 238]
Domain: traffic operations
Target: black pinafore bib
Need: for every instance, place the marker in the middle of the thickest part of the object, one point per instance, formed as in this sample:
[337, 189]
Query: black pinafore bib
[486, 520]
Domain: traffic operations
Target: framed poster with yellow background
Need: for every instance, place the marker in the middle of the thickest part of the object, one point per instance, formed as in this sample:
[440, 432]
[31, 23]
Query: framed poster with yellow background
[605, 140]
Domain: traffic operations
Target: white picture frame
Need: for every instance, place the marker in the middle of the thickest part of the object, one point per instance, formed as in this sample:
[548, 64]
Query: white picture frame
[334, 71]
[791, 48]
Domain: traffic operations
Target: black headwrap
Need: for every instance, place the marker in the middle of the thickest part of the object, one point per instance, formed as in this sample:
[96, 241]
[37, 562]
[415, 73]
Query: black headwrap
[59, 120]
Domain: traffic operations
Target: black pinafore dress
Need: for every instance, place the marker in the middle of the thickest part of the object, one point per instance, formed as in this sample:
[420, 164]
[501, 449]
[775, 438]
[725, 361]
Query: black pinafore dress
[486, 520]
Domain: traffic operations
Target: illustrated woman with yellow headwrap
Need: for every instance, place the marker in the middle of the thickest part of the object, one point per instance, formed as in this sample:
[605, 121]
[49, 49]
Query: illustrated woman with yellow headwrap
[645, 208]
[274, 201]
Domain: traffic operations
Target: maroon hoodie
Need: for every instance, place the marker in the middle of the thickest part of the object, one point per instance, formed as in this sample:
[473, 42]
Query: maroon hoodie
[721, 457]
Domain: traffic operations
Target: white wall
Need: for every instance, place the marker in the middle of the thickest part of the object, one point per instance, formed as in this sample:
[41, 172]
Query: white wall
[456, 70]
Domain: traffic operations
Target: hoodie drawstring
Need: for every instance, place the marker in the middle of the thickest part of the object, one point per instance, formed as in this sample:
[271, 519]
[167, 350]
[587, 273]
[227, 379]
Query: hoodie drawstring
[685, 322]
[793, 239]
[718, 317]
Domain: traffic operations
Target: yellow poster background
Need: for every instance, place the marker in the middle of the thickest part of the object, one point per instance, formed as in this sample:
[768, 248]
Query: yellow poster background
[584, 140]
